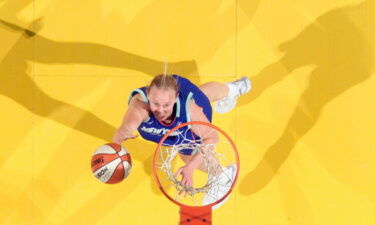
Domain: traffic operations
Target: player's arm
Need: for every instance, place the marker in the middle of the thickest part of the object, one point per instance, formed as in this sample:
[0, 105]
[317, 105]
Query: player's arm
[137, 112]
[209, 137]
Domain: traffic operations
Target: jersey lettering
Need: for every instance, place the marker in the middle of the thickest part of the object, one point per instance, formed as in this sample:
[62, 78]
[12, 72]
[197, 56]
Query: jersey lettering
[159, 132]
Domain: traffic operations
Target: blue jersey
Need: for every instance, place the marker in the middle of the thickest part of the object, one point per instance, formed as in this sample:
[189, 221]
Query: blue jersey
[153, 129]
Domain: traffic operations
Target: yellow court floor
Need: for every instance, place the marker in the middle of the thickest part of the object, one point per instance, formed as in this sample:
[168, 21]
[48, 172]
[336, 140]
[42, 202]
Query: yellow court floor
[305, 132]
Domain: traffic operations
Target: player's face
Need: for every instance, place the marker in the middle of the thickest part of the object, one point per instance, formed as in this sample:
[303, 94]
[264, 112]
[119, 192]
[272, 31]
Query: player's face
[162, 102]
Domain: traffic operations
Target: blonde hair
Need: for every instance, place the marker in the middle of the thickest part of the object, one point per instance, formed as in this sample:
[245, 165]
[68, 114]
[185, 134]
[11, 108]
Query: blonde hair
[164, 81]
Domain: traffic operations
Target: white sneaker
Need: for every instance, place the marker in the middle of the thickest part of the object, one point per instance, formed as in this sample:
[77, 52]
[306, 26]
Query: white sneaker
[221, 186]
[236, 88]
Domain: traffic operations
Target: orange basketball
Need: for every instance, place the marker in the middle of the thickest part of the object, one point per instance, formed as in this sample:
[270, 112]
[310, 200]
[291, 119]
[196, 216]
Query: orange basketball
[111, 163]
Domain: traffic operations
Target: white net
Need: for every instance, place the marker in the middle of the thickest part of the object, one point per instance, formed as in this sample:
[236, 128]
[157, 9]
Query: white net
[211, 180]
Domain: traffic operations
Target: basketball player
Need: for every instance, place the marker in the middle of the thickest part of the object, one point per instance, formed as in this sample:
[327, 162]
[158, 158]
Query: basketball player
[171, 100]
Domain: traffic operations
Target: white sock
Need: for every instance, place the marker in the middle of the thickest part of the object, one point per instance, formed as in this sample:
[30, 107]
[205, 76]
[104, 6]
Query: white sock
[232, 90]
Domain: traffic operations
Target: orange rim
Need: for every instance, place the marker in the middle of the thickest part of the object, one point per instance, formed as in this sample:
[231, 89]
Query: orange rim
[187, 124]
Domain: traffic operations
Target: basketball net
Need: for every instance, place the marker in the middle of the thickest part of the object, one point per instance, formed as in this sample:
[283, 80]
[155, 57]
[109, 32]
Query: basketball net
[213, 181]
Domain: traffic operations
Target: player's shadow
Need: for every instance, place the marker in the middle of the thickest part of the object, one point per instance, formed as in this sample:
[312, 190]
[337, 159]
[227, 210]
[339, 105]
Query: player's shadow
[11, 8]
[340, 44]
[17, 84]
[16, 75]
[32, 47]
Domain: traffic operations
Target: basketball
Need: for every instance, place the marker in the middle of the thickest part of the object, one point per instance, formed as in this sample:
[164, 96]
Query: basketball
[111, 163]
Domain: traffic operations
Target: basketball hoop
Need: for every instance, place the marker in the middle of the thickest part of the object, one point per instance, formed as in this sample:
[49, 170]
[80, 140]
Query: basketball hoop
[213, 181]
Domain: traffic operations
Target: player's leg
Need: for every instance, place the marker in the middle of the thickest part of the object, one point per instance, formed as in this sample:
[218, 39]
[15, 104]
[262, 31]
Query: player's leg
[226, 94]
[214, 90]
